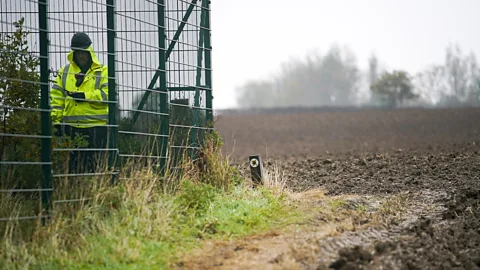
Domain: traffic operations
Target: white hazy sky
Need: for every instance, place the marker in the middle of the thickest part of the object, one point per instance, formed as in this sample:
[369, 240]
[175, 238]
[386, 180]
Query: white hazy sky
[251, 38]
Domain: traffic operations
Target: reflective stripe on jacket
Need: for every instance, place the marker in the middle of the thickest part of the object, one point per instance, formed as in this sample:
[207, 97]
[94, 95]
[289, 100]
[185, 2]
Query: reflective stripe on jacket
[83, 114]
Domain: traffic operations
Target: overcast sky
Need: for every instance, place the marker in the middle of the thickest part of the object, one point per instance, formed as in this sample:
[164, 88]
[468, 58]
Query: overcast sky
[251, 38]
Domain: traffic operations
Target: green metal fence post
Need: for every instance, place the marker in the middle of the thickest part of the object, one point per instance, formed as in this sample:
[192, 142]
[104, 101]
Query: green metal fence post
[164, 100]
[112, 93]
[46, 141]
[208, 63]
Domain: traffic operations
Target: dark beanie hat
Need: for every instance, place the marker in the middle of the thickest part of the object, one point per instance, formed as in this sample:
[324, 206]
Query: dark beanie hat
[80, 40]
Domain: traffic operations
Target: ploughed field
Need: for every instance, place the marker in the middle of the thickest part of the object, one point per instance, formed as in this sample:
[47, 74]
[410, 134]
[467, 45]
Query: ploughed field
[403, 189]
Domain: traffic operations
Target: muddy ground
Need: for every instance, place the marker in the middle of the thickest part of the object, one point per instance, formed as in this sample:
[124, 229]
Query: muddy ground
[387, 190]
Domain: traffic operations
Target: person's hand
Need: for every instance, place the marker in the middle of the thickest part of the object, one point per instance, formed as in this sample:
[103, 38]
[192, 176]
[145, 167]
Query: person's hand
[78, 96]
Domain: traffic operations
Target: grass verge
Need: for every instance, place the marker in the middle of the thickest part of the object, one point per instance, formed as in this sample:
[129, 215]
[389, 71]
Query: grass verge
[140, 224]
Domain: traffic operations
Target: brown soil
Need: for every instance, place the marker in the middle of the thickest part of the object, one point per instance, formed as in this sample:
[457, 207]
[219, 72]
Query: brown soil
[323, 134]
[416, 171]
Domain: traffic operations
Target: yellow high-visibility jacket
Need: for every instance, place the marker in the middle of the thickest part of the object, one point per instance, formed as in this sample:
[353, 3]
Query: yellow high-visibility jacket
[93, 111]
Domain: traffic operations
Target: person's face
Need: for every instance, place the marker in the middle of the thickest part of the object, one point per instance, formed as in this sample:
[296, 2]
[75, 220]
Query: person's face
[82, 57]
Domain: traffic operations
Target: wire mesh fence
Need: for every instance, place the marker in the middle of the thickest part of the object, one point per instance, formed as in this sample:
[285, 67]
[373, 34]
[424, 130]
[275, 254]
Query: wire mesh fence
[139, 87]
[181, 97]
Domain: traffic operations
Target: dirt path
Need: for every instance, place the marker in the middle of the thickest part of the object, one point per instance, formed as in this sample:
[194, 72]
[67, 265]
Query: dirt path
[347, 232]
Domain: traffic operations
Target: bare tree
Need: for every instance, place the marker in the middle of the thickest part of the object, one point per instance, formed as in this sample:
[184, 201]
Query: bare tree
[319, 80]
[372, 69]
[460, 71]
[431, 83]
[256, 94]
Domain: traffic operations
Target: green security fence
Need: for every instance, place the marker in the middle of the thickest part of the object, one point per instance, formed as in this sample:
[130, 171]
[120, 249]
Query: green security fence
[158, 54]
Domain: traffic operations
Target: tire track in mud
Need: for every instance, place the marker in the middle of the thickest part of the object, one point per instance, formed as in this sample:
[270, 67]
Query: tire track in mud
[426, 205]
[446, 236]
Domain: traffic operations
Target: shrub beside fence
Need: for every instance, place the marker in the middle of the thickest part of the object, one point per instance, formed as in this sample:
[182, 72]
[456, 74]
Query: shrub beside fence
[158, 55]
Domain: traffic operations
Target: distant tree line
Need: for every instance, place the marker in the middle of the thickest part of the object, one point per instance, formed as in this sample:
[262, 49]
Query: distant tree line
[334, 79]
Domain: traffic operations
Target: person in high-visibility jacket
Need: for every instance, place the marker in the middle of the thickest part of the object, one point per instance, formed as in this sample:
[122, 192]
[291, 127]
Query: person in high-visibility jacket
[78, 101]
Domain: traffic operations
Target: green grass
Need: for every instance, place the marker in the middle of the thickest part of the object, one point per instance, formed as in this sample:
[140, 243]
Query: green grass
[137, 224]
[337, 204]
[147, 236]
